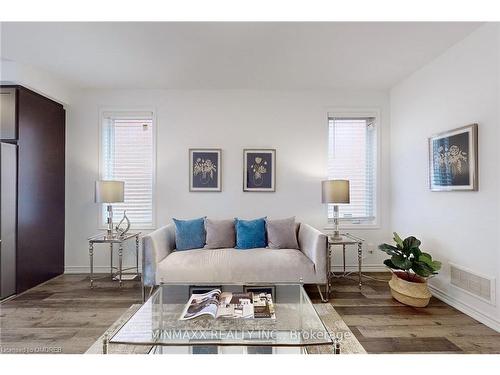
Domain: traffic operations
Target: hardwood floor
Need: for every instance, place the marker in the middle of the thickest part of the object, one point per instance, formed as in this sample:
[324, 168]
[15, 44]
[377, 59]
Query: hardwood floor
[383, 325]
[66, 316]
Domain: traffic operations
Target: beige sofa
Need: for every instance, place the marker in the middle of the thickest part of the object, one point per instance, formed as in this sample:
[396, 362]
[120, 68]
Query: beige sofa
[163, 264]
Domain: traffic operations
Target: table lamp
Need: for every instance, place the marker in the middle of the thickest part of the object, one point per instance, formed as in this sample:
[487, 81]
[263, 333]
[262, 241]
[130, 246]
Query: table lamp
[336, 192]
[109, 192]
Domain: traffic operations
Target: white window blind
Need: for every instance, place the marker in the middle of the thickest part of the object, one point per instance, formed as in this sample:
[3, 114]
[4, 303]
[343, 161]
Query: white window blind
[352, 156]
[127, 154]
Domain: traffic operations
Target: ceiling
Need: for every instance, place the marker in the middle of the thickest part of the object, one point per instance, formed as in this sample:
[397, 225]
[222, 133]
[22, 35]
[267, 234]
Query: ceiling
[219, 55]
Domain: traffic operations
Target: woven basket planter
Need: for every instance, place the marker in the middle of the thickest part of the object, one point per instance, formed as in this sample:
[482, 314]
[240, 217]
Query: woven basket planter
[410, 293]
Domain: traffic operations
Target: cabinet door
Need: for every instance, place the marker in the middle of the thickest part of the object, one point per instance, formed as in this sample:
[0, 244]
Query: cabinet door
[8, 218]
[40, 240]
[8, 129]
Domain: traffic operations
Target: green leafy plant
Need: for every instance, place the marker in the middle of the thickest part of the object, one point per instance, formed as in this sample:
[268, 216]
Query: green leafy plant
[407, 256]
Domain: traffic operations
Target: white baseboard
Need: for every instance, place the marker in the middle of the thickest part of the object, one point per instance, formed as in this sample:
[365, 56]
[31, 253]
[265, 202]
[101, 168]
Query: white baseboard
[465, 308]
[349, 268]
[364, 268]
[86, 269]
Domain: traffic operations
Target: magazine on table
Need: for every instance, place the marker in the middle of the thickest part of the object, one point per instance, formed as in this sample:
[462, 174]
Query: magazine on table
[263, 306]
[229, 305]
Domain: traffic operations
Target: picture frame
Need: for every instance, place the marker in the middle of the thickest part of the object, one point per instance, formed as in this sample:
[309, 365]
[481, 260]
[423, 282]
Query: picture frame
[259, 170]
[205, 169]
[453, 159]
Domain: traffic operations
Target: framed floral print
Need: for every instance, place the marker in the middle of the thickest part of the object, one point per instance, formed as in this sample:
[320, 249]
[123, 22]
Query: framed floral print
[259, 170]
[453, 160]
[205, 170]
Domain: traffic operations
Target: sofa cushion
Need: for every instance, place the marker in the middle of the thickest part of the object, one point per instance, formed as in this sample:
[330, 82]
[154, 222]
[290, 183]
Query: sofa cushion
[220, 233]
[250, 234]
[189, 234]
[282, 233]
[232, 266]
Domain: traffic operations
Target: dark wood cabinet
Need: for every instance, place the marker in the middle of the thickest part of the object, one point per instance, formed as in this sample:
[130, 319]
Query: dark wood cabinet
[40, 188]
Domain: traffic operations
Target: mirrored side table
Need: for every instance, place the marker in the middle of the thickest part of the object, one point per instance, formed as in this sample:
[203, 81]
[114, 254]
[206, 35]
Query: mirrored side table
[116, 273]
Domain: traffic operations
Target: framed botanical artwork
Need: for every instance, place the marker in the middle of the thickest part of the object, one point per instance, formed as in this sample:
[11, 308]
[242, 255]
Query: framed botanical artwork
[259, 170]
[453, 160]
[205, 170]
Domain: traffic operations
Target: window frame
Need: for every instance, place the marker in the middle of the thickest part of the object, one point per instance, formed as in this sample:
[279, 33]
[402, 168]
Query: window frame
[354, 224]
[101, 225]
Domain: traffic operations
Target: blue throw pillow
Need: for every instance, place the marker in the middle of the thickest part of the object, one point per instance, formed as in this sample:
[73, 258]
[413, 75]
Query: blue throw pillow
[250, 233]
[189, 234]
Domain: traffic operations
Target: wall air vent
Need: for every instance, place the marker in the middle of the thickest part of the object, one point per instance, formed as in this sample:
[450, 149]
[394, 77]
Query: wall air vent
[480, 286]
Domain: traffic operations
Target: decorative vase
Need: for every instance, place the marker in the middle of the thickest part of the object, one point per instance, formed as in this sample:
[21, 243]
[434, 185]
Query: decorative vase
[412, 293]
[204, 179]
[122, 231]
[257, 180]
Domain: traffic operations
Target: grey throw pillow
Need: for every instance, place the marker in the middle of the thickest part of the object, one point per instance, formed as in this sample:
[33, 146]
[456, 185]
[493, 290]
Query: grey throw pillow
[220, 234]
[282, 234]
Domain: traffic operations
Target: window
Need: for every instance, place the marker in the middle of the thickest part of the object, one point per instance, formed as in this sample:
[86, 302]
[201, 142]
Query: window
[352, 156]
[127, 154]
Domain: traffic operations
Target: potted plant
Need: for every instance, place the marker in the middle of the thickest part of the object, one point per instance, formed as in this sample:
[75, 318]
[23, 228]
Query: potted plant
[411, 268]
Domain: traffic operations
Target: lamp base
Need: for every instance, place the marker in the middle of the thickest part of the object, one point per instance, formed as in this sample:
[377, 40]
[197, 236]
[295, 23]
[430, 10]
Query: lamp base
[336, 233]
[109, 231]
[336, 236]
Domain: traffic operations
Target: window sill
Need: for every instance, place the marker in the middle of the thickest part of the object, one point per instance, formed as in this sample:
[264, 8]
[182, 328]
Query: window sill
[146, 229]
[361, 226]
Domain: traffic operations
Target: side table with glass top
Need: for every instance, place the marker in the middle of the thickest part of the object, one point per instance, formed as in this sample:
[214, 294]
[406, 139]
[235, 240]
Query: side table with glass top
[346, 239]
[116, 273]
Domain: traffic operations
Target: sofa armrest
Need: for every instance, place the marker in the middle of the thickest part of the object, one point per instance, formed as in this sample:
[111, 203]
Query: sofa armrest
[314, 244]
[155, 247]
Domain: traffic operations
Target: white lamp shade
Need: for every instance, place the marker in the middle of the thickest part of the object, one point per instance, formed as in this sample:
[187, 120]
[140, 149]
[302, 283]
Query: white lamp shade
[109, 191]
[335, 191]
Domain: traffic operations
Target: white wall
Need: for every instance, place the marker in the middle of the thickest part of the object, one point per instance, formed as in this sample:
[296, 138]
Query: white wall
[293, 122]
[458, 88]
[36, 79]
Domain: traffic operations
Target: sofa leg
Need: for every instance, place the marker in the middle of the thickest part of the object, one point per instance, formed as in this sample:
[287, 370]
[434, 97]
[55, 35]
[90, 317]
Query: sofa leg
[323, 299]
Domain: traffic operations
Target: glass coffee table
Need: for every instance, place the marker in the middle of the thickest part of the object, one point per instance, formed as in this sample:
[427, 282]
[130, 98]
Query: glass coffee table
[156, 325]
